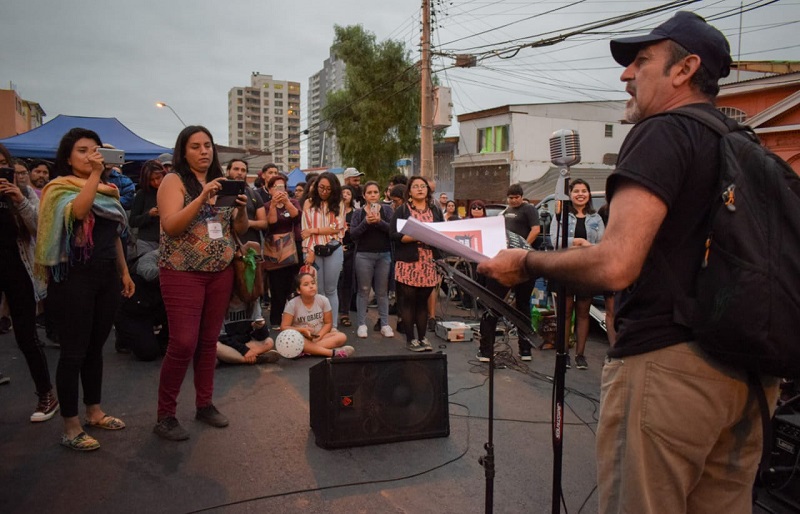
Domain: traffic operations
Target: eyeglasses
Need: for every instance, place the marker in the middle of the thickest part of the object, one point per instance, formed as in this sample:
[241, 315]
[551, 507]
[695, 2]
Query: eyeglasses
[323, 188]
[21, 173]
[477, 208]
[419, 186]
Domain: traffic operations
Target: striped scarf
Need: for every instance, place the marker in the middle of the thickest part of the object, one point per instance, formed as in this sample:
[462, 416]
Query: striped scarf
[58, 242]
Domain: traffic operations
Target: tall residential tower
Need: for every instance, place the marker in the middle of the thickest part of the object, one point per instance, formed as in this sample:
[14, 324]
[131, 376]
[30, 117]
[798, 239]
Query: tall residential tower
[323, 150]
[266, 116]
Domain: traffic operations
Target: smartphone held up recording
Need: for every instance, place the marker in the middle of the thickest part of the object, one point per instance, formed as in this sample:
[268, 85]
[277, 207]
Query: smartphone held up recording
[229, 191]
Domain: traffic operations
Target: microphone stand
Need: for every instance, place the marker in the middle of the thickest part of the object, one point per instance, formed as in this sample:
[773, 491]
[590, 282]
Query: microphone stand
[496, 308]
[562, 194]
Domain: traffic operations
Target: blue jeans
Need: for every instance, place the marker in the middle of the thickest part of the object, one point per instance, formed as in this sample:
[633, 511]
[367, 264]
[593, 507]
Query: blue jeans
[328, 270]
[371, 265]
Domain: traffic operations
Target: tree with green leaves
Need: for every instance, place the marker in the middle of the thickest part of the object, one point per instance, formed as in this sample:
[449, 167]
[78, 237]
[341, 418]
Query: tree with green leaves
[376, 115]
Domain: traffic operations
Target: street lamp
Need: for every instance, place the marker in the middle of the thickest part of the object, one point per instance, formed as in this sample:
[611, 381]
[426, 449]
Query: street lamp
[162, 105]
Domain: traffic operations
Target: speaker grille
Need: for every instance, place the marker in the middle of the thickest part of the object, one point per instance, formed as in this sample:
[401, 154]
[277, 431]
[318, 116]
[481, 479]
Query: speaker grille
[371, 400]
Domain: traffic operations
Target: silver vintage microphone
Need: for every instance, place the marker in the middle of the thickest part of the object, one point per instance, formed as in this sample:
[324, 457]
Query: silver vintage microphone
[565, 151]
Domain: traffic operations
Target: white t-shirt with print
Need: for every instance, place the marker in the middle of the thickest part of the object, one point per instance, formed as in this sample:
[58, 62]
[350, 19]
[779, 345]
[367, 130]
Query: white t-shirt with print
[311, 317]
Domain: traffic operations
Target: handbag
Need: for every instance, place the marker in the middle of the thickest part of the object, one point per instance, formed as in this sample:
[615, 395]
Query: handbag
[279, 251]
[327, 249]
[248, 283]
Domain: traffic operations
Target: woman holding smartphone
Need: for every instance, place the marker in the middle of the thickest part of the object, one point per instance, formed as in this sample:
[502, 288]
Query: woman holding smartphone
[283, 216]
[370, 231]
[21, 288]
[323, 227]
[196, 275]
[78, 243]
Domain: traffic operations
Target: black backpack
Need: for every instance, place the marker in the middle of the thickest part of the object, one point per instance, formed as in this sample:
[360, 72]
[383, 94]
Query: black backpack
[746, 300]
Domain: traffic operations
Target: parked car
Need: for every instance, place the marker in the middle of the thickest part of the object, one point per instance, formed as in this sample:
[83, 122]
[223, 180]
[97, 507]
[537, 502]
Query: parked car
[494, 209]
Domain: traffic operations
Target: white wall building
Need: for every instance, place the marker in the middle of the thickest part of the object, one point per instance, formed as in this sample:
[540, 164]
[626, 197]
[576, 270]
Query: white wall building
[509, 144]
[266, 116]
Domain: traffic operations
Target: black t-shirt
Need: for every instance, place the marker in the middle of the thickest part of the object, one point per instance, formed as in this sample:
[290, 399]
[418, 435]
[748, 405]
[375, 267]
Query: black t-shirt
[520, 220]
[104, 237]
[580, 227]
[677, 159]
[253, 204]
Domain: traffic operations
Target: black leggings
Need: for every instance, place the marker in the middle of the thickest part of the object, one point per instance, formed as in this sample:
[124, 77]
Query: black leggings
[16, 284]
[281, 282]
[86, 302]
[413, 309]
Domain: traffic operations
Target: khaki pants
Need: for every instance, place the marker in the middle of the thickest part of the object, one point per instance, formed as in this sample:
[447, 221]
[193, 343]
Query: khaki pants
[678, 433]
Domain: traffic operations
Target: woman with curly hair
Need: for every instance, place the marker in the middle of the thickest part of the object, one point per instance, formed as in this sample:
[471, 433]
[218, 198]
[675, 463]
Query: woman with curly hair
[323, 227]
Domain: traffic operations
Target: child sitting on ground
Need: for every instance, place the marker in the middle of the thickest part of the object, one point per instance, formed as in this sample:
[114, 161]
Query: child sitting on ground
[311, 315]
[245, 340]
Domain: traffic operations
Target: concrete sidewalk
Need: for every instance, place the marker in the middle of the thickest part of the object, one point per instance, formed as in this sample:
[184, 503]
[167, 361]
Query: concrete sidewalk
[267, 461]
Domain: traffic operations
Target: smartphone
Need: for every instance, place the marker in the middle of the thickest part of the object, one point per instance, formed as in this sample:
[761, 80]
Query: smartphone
[8, 174]
[112, 156]
[230, 189]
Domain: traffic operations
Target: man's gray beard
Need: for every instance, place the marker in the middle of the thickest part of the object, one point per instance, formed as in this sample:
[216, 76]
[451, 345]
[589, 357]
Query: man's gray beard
[632, 112]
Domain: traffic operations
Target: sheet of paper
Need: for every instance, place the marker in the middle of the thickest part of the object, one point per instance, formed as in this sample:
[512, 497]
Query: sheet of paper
[474, 239]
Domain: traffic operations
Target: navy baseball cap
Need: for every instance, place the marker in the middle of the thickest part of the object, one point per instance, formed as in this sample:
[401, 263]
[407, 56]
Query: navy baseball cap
[688, 30]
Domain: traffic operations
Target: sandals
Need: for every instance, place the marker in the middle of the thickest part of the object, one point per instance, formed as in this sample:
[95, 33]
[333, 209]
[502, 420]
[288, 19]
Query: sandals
[345, 321]
[82, 442]
[107, 423]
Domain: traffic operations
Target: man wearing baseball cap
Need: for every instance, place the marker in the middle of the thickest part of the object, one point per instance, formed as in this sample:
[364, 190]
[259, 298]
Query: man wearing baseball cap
[678, 432]
[352, 178]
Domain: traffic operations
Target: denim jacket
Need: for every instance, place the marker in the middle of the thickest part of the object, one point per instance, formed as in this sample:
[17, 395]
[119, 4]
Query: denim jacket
[594, 229]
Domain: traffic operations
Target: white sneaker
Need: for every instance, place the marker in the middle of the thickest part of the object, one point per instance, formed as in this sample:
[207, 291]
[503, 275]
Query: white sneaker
[343, 352]
[362, 331]
[386, 331]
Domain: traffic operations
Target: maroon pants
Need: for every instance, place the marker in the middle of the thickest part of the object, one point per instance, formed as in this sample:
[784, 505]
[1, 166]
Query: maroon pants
[196, 303]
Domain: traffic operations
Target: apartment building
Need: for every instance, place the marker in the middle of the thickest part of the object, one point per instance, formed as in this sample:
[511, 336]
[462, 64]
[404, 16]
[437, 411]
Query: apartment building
[323, 149]
[266, 116]
[18, 115]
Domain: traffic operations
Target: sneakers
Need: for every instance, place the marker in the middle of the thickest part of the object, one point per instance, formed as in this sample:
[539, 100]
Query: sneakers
[525, 354]
[169, 428]
[580, 362]
[268, 357]
[569, 364]
[211, 416]
[4, 379]
[482, 358]
[415, 346]
[362, 331]
[344, 351]
[46, 408]
[424, 342]
[386, 331]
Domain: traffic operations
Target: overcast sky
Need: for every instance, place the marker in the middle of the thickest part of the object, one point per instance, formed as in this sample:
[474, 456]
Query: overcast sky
[118, 58]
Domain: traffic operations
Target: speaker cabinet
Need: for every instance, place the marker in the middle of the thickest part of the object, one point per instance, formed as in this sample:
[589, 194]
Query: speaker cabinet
[371, 400]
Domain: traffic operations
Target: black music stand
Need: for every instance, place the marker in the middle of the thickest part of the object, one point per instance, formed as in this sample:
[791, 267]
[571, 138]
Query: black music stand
[495, 306]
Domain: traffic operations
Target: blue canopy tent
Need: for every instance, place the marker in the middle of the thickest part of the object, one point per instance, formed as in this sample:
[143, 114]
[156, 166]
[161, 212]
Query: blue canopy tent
[42, 142]
[295, 177]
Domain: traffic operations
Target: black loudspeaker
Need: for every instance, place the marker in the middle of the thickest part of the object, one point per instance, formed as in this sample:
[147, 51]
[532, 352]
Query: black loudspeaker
[783, 479]
[371, 400]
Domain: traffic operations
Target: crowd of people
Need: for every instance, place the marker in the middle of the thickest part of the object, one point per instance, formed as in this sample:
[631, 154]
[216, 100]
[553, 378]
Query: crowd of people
[155, 261]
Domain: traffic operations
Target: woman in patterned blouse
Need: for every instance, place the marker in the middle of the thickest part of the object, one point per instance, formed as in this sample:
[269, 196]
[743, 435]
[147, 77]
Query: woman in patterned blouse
[196, 276]
[415, 271]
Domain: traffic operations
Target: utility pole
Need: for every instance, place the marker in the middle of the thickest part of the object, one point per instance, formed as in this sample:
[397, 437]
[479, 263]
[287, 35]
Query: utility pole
[426, 96]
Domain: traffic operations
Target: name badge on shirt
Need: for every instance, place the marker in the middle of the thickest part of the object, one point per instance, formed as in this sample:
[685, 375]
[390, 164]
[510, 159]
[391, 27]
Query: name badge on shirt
[214, 228]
